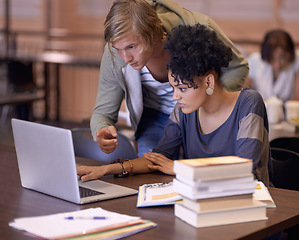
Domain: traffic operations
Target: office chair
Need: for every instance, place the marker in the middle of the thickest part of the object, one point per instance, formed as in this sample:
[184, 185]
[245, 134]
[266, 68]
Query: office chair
[85, 147]
[285, 168]
[285, 164]
[290, 143]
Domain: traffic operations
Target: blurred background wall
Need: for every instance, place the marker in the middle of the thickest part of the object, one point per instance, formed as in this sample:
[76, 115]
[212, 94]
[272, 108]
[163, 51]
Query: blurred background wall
[75, 29]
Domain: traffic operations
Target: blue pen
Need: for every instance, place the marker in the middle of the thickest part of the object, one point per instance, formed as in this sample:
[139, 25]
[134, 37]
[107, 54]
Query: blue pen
[87, 218]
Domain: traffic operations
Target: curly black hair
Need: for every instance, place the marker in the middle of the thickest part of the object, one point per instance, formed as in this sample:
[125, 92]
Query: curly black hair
[195, 51]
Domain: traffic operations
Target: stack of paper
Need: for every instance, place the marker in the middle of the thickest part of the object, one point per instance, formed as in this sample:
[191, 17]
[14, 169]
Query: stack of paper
[216, 191]
[262, 194]
[93, 223]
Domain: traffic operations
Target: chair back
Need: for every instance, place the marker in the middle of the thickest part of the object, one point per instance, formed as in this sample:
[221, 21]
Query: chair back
[290, 143]
[285, 168]
[85, 147]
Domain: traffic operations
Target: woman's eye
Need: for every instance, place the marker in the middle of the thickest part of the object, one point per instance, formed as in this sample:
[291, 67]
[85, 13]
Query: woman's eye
[182, 89]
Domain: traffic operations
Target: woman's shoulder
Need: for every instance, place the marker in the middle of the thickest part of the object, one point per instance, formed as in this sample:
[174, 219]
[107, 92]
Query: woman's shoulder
[249, 92]
[251, 96]
[251, 102]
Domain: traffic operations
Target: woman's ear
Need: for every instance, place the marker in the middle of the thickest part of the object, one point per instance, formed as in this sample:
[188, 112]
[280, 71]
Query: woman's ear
[210, 82]
[210, 78]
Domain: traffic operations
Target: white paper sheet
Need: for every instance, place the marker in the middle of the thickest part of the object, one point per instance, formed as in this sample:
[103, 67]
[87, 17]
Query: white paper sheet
[56, 226]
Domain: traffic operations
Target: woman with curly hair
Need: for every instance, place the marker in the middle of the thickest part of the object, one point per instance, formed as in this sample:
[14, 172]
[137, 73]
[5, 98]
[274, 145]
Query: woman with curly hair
[208, 120]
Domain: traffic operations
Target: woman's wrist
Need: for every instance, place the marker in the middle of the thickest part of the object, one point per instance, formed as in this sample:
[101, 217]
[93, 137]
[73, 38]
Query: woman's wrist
[122, 167]
[112, 169]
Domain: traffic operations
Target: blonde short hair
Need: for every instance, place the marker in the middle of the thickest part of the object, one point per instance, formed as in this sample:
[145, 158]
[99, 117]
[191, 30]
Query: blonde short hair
[133, 15]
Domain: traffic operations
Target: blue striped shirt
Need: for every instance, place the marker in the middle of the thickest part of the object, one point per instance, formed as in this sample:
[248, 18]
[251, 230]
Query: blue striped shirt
[156, 95]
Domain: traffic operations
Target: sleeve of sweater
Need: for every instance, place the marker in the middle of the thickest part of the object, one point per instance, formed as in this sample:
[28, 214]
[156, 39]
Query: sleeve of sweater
[110, 94]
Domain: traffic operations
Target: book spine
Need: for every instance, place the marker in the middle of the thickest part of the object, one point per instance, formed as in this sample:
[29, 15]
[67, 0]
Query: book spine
[213, 173]
[223, 204]
[186, 191]
[215, 218]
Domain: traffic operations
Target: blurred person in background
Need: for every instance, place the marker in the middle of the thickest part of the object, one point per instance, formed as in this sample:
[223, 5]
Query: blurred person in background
[274, 72]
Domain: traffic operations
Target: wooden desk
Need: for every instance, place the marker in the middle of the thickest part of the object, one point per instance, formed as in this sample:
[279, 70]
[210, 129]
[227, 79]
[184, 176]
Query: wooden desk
[17, 202]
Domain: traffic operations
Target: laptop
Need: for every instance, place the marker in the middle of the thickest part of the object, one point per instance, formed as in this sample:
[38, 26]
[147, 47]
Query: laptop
[47, 164]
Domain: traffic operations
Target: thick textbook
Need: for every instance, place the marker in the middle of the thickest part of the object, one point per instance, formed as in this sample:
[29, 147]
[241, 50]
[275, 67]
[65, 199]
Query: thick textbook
[214, 168]
[261, 193]
[252, 212]
[157, 194]
[217, 185]
[218, 204]
[194, 193]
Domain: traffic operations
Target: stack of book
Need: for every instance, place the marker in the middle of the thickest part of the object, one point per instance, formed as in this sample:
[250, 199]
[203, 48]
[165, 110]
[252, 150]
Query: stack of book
[216, 191]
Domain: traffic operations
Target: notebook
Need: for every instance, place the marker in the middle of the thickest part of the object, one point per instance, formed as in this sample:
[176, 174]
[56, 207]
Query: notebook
[47, 164]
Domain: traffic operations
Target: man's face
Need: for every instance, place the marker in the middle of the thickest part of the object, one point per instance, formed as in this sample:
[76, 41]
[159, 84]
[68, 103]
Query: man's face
[132, 50]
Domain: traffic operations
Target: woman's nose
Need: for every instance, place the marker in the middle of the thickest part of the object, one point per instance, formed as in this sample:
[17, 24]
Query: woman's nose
[175, 96]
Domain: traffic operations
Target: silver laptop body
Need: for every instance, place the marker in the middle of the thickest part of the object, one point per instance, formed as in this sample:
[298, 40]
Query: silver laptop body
[47, 164]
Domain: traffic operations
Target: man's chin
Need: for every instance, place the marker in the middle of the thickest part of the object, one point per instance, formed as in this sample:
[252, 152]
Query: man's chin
[137, 67]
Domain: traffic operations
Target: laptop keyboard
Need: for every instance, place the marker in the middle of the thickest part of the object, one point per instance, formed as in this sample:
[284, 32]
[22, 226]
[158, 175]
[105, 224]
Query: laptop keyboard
[86, 192]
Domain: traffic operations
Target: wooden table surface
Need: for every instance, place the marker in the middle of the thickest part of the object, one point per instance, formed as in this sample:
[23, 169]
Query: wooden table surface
[16, 202]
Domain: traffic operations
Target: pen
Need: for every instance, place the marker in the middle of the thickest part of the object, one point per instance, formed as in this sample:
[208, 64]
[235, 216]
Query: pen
[87, 218]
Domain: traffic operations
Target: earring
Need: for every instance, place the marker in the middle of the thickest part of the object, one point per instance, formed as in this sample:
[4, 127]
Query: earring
[209, 91]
